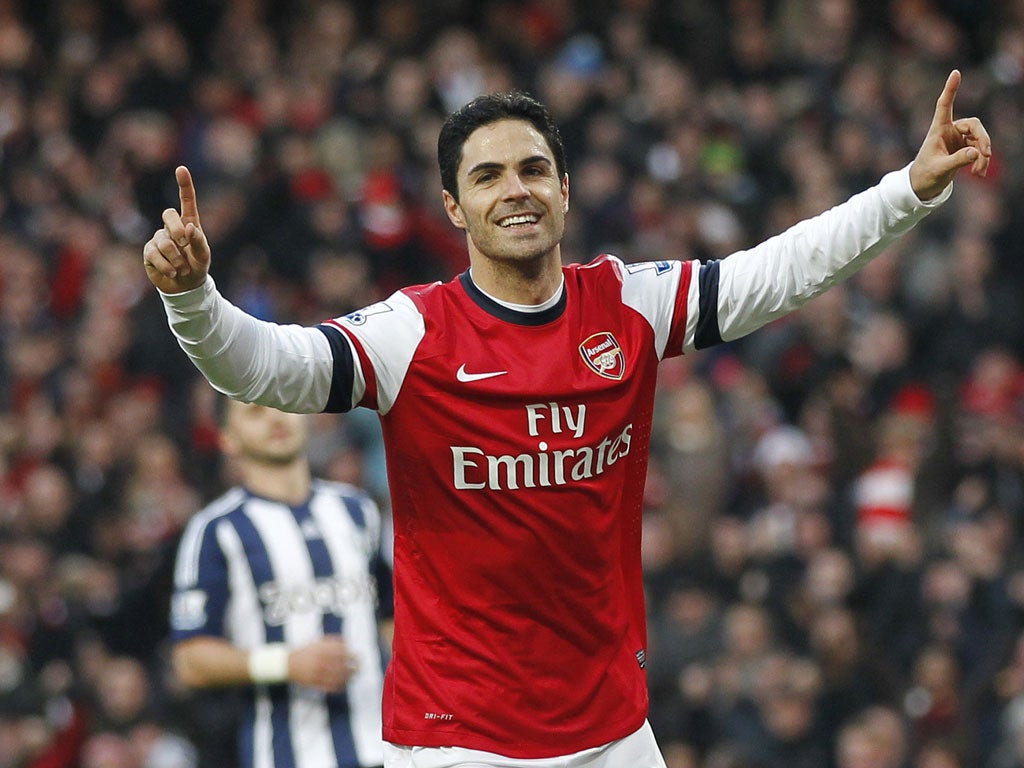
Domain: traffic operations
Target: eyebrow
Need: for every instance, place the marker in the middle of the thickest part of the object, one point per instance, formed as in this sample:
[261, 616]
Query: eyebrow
[490, 166]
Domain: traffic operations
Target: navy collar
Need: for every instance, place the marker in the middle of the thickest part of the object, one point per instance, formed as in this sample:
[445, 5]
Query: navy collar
[491, 307]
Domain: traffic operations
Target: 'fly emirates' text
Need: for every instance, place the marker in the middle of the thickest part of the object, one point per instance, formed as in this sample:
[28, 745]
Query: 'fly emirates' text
[476, 470]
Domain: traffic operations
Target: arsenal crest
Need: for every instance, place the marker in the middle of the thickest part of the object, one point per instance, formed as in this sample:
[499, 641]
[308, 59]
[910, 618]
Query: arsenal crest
[604, 356]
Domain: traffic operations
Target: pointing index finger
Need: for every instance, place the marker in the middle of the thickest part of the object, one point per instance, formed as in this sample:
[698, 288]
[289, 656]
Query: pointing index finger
[187, 195]
[944, 105]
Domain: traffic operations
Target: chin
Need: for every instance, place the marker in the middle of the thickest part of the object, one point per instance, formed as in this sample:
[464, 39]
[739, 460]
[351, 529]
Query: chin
[526, 252]
[279, 458]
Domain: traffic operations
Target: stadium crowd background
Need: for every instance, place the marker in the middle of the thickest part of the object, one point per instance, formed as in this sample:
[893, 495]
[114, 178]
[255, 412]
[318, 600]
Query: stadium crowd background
[834, 532]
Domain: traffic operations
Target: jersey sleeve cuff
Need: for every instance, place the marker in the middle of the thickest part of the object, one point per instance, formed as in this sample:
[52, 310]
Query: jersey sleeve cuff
[900, 194]
[194, 299]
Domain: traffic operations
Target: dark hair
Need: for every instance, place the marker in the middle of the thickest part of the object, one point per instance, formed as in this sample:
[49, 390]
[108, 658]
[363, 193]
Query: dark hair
[483, 110]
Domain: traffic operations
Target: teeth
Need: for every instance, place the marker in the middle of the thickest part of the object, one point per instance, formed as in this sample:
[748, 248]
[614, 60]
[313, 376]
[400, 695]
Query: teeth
[526, 218]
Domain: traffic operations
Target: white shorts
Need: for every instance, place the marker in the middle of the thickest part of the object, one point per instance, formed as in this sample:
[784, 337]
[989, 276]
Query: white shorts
[638, 750]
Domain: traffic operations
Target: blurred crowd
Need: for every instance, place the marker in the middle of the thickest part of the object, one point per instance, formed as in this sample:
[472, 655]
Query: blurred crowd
[834, 528]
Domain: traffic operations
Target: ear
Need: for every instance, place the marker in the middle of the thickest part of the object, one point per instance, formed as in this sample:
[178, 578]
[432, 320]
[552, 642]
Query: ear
[565, 193]
[227, 443]
[453, 209]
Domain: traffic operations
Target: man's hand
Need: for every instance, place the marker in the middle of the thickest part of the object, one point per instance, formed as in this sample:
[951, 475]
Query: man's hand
[949, 146]
[326, 664]
[177, 257]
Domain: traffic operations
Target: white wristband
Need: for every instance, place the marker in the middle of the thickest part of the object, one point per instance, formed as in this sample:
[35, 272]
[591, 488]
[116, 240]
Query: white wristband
[269, 663]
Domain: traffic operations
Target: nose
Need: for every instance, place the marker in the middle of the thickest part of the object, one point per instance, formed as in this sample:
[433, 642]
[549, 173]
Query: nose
[514, 188]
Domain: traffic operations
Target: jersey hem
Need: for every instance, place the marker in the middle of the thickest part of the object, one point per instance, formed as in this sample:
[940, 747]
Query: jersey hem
[518, 751]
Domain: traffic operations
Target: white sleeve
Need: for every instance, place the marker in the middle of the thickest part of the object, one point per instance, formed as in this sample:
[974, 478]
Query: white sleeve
[652, 288]
[283, 366]
[388, 334]
[751, 288]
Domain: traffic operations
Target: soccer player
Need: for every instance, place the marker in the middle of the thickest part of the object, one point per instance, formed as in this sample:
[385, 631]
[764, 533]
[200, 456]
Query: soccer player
[516, 402]
[276, 589]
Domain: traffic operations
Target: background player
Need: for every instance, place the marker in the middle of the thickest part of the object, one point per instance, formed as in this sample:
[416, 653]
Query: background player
[276, 589]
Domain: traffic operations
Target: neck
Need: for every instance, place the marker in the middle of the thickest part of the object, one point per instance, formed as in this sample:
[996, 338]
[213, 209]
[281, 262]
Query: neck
[530, 282]
[288, 483]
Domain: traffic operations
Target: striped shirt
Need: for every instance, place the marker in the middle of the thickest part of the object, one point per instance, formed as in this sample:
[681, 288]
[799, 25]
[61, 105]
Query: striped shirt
[258, 571]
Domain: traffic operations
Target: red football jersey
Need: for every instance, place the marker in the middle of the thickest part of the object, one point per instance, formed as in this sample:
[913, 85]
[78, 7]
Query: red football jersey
[517, 453]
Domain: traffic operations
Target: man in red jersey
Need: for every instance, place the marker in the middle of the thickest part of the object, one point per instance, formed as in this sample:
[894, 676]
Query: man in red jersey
[516, 402]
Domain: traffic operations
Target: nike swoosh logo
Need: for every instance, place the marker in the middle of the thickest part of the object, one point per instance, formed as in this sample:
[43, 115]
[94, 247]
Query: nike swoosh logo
[461, 374]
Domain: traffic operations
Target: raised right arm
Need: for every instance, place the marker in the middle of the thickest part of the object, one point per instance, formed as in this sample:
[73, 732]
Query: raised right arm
[286, 367]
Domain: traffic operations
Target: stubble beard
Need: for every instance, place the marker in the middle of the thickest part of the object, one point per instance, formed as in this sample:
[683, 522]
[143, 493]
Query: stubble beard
[528, 259]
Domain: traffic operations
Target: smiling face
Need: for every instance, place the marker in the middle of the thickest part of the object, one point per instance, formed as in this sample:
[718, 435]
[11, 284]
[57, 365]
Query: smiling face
[512, 202]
